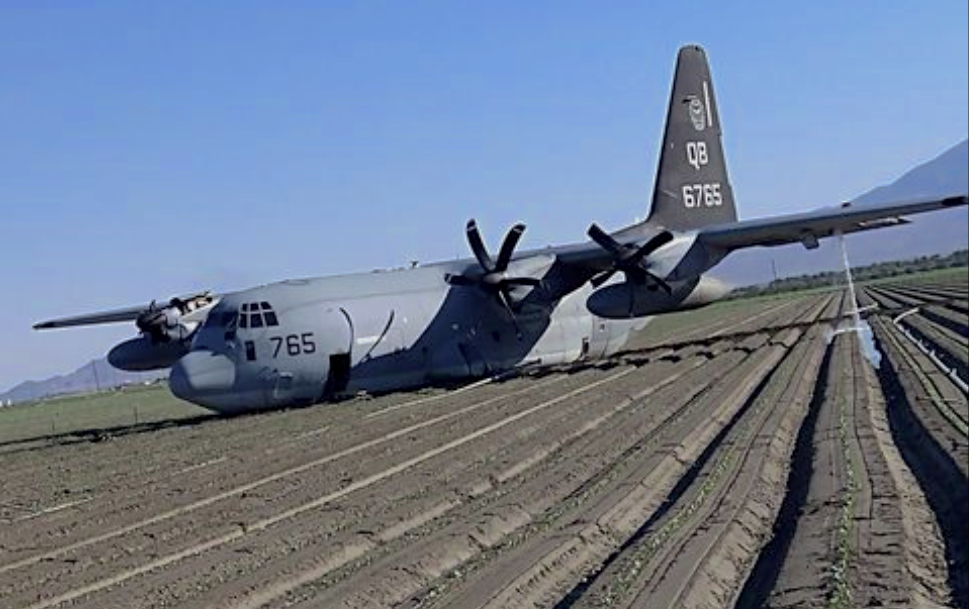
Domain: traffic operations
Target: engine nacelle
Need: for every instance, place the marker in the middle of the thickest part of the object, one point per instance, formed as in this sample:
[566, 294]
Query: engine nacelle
[625, 300]
[140, 354]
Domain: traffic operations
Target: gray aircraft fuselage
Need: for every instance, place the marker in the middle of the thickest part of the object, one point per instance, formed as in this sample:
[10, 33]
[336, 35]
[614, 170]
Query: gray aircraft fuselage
[389, 330]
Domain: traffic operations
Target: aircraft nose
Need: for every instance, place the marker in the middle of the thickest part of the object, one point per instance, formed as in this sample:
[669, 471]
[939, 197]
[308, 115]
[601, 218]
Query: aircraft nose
[199, 373]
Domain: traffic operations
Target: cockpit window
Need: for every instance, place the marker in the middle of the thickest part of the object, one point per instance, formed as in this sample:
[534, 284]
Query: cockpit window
[257, 315]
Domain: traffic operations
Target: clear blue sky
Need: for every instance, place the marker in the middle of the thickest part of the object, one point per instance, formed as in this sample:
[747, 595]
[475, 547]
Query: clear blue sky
[149, 149]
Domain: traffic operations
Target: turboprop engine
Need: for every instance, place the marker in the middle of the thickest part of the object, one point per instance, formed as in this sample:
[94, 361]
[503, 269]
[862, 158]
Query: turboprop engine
[140, 354]
[630, 299]
[165, 335]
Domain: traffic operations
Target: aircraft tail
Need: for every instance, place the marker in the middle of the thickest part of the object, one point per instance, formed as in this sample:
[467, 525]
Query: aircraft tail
[692, 188]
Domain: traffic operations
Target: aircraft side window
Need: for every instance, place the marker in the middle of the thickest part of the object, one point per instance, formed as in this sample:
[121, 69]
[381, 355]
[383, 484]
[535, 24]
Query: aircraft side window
[244, 321]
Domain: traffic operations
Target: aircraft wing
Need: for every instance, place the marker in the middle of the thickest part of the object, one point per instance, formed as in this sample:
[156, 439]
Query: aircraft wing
[102, 317]
[193, 307]
[808, 227]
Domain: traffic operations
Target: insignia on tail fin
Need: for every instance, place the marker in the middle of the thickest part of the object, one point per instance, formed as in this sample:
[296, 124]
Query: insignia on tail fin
[692, 188]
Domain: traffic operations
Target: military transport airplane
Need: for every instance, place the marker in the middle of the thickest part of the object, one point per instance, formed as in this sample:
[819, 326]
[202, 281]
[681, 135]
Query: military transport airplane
[309, 340]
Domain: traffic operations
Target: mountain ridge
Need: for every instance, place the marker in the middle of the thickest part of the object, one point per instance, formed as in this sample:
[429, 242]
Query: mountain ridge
[95, 375]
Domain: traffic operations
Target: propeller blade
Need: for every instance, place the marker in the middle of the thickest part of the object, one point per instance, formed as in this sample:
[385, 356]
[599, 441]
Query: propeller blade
[152, 316]
[508, 247]
[494, 280]
[653, 244]
[605, 240]
[505, 301]
[478, 247]
[657, 282]
[636, 274]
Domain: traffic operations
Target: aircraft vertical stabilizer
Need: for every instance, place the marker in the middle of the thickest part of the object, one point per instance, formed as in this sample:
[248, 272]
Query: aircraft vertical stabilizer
[692, 188]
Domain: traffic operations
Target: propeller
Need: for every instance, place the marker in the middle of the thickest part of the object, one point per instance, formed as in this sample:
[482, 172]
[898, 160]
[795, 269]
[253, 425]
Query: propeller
[630, 259]
[159, 323]
[495, 279]
[163, 323]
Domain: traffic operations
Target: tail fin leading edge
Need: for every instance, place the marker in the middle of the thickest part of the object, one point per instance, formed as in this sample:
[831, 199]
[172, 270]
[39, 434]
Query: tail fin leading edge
[692, 188]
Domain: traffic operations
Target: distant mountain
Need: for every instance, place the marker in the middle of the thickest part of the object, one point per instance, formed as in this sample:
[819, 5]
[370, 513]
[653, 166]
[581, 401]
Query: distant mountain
[945, 174]
[935, 233]
[93, 376]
